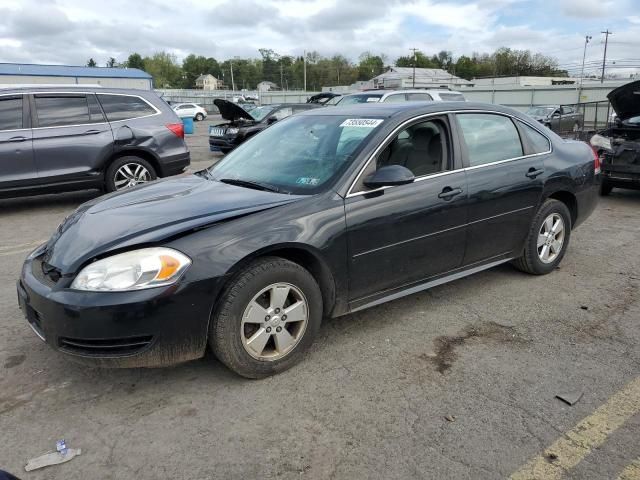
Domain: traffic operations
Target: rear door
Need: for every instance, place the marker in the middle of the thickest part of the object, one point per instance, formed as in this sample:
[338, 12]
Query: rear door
[505, 182]
[71, 137]
[17, 166]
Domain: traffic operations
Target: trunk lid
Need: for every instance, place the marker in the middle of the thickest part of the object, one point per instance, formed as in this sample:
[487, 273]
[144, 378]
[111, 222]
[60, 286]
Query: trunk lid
[625, 100]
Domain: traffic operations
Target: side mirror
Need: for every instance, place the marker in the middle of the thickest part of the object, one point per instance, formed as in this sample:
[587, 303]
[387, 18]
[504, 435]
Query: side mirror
[389, 176]
[271, 120]
[555, 115]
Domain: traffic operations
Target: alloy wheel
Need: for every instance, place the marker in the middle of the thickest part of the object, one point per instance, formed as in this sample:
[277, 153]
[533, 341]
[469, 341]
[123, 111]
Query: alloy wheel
[130, 175]
[274, 321]
[551, 238]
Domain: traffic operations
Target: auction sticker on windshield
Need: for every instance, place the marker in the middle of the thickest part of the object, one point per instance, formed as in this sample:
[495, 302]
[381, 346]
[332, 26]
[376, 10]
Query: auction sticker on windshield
[361, 122]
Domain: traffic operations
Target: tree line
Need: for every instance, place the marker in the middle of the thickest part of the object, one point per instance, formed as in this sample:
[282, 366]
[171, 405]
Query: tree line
[288, 71]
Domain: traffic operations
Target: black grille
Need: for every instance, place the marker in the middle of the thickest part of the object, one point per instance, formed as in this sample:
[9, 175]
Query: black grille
[105, 346]
[45, 273]
[35, 320]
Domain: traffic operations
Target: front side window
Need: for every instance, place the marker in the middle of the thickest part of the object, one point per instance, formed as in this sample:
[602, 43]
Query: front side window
[422, 148]
[59, 111]
[489, 137]
[124, 107]
[300, 155]
[10, 113]
[539, 143]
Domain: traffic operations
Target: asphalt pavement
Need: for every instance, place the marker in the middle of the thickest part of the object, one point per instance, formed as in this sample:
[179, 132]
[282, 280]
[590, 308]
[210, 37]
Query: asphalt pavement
[457, 382]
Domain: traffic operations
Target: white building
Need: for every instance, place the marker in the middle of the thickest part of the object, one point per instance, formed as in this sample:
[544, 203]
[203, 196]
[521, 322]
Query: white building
[402, 77]
[525, 81]
[207, 82]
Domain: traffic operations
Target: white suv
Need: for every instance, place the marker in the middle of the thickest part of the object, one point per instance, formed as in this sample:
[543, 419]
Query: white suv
[192, 110]
[394, 96]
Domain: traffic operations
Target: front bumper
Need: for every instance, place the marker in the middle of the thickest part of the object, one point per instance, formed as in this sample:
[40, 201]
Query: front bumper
[626, 176]
[217, 144]
[144, 328]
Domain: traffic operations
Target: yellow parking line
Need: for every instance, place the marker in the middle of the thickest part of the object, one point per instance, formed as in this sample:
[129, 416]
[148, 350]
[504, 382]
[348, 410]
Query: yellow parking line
[631, 471]
[590, 433]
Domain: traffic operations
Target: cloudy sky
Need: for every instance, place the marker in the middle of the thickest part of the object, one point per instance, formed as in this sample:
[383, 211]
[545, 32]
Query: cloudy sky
[71, 31]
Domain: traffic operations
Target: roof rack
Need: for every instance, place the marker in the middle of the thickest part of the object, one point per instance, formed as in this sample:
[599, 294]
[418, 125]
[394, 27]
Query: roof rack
[6, 86]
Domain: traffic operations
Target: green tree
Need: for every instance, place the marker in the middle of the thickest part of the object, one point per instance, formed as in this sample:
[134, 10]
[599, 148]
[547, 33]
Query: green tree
[370, 66]
[135, 61]
[421, 61]
[193, 66]
[163, 67]
[91, 63]
[111, 62]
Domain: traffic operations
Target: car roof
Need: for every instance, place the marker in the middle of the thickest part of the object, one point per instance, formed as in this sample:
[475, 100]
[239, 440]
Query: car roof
[383, 92]
[392, 109]
[72, 89]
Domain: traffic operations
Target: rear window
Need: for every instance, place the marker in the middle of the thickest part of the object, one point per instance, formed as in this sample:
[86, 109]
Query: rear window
[60, 111]
[124, 107]
[10, 113]
[489, 138]
[539, 143]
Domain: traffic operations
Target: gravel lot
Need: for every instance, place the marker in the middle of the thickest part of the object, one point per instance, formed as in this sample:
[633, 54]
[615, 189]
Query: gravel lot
[490, 352]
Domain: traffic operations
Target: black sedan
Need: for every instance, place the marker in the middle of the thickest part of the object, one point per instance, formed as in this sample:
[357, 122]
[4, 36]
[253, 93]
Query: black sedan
[241, 124]
[325, 213]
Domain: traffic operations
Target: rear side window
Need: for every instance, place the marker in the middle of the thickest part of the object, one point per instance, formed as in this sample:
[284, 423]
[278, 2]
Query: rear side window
[452, 97]
[123, 107]
[59, 111]
[489, 138]
[10, 113]
[419, 97]
[539, 143]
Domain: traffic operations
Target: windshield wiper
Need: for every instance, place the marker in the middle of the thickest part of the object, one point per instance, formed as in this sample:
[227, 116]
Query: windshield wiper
[250, 184]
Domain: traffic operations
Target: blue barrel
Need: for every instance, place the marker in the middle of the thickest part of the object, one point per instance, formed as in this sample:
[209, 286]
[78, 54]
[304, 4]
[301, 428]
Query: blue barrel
[188, 125]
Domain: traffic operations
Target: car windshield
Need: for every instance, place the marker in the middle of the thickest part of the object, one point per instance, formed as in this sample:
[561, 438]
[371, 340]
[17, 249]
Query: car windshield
[301, 155]
[259, 113]
[352, 99]
[540, 111]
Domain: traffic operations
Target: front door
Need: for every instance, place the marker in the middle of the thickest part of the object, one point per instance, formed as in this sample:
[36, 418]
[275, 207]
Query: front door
[505, 183]
[71, 137]
[402, 235]
[17, 166]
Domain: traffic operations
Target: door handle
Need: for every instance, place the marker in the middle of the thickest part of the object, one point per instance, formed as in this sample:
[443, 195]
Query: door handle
[91, 132]
[448, 193]
[17, 139]
[533, 173]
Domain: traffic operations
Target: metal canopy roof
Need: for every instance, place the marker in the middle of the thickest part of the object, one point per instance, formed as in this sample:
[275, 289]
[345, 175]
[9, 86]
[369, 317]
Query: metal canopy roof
[70, 71]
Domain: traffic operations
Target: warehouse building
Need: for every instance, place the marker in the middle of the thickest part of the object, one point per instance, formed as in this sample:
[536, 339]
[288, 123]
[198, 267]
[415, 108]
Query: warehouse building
[30, 74]
[402, 77]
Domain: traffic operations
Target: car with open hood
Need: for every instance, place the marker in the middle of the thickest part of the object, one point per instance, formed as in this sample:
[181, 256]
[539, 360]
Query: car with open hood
[619, 145]
[242, 124]
[327, 212]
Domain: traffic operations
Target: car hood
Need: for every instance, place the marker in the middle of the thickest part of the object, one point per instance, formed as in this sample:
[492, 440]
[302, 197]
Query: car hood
[150, 214]
[231, 111]
[625, 100]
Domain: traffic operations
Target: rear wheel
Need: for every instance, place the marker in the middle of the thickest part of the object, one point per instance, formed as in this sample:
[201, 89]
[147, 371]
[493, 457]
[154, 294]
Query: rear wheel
[127, 172]
[548, 239]
[199, 117]
[267, 317]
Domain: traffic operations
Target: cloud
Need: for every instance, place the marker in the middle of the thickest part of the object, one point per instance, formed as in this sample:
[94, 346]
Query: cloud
[588, 8]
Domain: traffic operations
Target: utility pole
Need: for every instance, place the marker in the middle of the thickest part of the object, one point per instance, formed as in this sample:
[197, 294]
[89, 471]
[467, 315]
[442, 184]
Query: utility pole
[604, 58]
[414, 50]
[233, 84]
[584, 54]
[304, 65]
[281, 76]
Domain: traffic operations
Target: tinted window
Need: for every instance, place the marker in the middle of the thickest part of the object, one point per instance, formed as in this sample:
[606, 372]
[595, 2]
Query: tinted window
[489, 138]
[56, 111]
[10, 113]
[415, 97]
[398, 97]
[452, 97]
[122, 107]
[539, 143]
[421, 148]
[95, 112]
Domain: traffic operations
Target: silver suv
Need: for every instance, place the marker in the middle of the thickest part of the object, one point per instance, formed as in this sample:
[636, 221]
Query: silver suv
[395, 96]
[55, 139]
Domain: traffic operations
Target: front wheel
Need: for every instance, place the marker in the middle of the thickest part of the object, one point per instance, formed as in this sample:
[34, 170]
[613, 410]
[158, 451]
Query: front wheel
[199, 117]
[267, 317]
[548, 239]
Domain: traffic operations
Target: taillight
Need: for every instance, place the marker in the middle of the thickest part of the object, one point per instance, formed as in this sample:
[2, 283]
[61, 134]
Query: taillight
[596, 161]
[177, 129]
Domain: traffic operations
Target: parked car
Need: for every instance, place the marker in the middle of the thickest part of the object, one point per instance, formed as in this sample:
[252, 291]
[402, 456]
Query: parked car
[619, 145]
[327, 212]
[56, 139]
[559, 118]
[192, 110]
[395, 96]
[242, 124]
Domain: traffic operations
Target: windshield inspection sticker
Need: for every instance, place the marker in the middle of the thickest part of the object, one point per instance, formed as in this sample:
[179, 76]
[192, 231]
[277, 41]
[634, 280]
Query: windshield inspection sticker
[362, 122]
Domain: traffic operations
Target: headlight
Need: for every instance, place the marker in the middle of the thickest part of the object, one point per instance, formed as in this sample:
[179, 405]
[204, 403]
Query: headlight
[232, 131]
[600, 141]
[135, 270]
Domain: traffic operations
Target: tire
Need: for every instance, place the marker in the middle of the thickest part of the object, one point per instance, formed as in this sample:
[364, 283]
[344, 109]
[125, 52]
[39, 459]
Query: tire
[239, 318]
[605, 188]
[533, 258]
[199, 117]
[114, 176]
